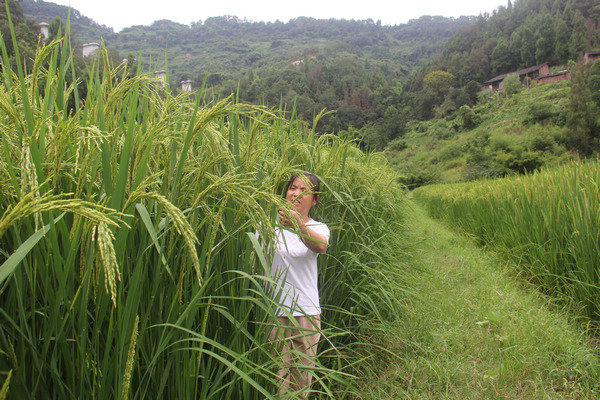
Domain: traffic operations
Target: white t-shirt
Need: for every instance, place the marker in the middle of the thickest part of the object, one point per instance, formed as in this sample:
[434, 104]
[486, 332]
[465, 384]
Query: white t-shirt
[294, 269]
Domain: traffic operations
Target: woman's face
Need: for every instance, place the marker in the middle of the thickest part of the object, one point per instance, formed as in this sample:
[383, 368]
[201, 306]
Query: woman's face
[300, 195]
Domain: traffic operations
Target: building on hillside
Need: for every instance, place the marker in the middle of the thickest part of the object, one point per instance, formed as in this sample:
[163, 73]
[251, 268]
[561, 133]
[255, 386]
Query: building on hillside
[161, 76]
[591, 56]
[555, 77]
[44, 30]
[186, 86]
[532, 73]
[89, 48]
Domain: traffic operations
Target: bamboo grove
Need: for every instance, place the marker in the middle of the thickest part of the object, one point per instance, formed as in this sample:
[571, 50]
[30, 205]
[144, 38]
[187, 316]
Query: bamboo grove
[129, 264]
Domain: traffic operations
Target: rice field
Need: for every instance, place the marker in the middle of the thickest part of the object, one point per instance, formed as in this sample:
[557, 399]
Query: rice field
[549, 222]
[129, 264]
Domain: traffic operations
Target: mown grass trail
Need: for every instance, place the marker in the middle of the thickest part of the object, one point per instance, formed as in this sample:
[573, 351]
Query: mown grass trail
[475, 331]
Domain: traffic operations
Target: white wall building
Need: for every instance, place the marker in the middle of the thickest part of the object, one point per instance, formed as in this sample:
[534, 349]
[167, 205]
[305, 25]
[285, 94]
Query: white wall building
[44, 30]
[89, 48]
[186, 86]
[161, 76]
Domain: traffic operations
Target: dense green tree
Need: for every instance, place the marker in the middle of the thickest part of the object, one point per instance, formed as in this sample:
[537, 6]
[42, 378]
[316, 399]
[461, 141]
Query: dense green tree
[439, 81]
[583, 110]
[594, 15]
[26, 32]
[578, 41]
[132, 65]
[56, 28]
[557, 8]
[511, 84]
[528, 46]
[546, 37]
[594, 83]
[569, 13]
[561, 49]
[503, 59]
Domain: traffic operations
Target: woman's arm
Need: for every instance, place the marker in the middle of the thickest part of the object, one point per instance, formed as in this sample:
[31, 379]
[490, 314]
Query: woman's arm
[313, 240]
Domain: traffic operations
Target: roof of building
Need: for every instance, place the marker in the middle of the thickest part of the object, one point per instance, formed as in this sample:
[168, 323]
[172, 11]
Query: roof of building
[520, 72]
[563, 72]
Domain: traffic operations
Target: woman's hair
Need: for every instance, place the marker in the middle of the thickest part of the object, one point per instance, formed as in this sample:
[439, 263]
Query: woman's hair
[315, 184]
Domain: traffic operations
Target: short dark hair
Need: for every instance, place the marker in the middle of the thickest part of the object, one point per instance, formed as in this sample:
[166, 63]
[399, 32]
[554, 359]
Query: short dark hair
[312, 179]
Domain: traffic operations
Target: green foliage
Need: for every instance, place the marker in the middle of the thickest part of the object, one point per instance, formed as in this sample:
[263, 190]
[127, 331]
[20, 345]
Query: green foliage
[467, 119]
[540, 112]
[56, 28]
[84, 29]
[26, 31]
[511, 38]
[496, 137]
[503, 57]
[356, 67]
[439, 81]
[511, 85]
[584, 108]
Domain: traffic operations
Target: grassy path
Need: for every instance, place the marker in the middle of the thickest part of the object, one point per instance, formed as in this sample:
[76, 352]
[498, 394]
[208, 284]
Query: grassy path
[473, 331]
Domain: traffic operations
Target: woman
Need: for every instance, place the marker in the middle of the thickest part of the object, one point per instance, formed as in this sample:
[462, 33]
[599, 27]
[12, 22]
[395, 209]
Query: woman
[294, 269]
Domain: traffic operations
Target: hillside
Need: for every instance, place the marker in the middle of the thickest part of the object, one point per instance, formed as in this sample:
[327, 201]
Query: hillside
[354, 67]
[493, 138]
[84, 28]
[226, 44]
[387, 85]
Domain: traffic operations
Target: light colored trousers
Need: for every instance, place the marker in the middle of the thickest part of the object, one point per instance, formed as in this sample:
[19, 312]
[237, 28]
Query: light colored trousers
[298, 345]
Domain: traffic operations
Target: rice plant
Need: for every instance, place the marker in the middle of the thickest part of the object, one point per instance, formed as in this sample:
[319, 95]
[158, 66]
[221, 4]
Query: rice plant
[129, 265]
[549, 221]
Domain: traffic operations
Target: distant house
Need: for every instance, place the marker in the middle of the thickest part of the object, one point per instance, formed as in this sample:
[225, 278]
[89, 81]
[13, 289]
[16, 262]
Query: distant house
[555, 77]
[44, 30]
[591, 56]
[298, 62]
[186, 86]
[161, 76]
[532, 73]
[89, 48]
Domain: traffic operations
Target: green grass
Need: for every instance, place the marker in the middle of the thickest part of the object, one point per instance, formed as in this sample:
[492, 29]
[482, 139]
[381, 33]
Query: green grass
[473, 330]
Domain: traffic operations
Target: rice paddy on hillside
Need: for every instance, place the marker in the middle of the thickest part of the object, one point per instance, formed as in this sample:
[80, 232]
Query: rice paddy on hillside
[549, 221]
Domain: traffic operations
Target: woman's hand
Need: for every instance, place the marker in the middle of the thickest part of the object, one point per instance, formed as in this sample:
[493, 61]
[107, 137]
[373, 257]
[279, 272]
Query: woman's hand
[313, 240]
[285, 221]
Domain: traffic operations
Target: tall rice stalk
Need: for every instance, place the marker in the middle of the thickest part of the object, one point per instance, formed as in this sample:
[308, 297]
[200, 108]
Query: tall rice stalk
[549, 221]
[129, 263]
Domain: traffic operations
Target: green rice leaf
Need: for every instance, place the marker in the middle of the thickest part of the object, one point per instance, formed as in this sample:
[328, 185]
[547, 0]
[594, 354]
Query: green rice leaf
[13, 261]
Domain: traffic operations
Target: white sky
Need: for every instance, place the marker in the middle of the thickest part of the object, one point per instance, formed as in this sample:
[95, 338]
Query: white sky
[123, 13]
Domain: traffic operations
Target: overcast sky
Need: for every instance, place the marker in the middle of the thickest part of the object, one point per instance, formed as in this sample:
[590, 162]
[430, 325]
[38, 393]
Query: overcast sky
[123, 13]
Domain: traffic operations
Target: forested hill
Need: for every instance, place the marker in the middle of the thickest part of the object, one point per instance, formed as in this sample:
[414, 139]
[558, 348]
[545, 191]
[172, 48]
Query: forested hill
[520, 35]
[227, 44]
[379, 79]
[450, 133]
[343, 65]
[84, 28]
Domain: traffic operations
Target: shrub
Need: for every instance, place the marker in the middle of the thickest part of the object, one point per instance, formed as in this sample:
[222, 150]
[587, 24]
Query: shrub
[467, 118]
[511, 85]
[540, 111]
[451, 150]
